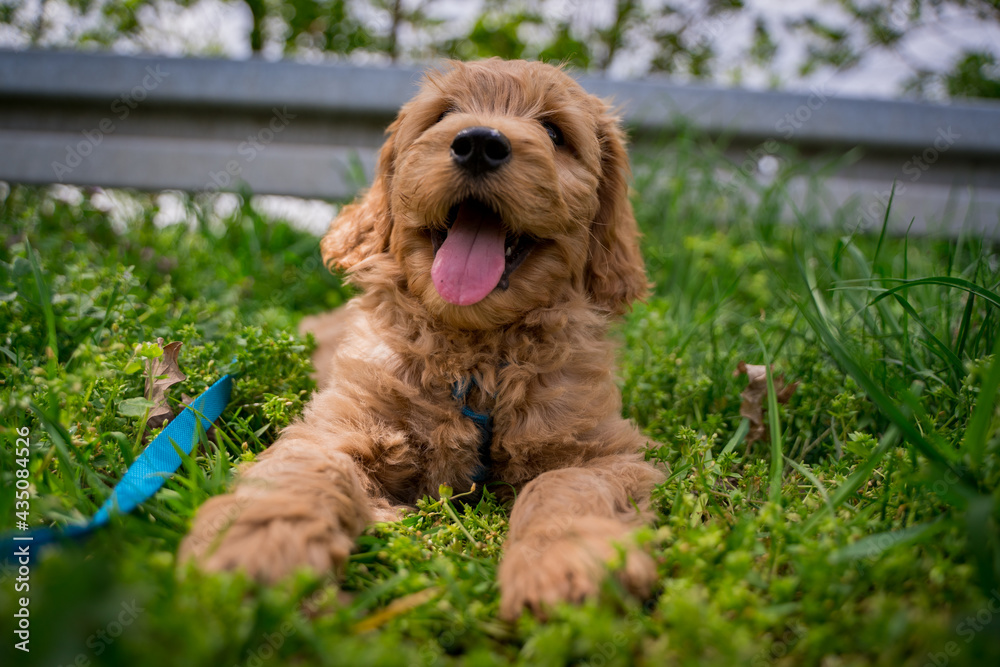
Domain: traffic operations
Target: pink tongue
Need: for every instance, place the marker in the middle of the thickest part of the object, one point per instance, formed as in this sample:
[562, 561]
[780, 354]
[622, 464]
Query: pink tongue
[470, 262]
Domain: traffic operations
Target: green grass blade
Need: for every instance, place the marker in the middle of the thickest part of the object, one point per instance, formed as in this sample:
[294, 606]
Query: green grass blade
[907, 348]
[945, 281]
[45, 299]
[805, 472]
[982, 415]
[963, 329]
[860, 475]
[68, 456]
[872, 546]
[888, 319]
[774, 422]
[980, 525]
[885, 226]
[112, 302]
[888, 406]
[738, 437]
[936, 344]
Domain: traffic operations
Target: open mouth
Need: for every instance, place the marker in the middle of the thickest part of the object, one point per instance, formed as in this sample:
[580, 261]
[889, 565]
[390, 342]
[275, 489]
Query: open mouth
[476, 254]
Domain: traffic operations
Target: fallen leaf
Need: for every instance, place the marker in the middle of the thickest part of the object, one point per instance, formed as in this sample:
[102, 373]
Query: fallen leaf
[754, 396]
[161, 374]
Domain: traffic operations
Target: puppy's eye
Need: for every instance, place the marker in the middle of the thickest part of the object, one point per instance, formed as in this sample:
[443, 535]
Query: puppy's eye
[555, 134]
[443, 114]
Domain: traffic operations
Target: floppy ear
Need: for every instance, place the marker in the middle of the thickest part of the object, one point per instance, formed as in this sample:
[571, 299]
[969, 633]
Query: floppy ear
[617, 275]
[362, 228]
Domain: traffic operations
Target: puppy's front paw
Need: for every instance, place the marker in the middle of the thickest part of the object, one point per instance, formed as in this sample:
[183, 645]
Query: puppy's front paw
[268, 536]
[538, 571]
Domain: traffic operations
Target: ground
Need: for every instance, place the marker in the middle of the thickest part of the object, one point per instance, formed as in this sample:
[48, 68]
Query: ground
[860, 528]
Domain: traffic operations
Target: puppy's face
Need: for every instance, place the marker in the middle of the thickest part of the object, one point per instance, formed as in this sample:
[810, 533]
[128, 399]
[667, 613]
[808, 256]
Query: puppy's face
[503, 185]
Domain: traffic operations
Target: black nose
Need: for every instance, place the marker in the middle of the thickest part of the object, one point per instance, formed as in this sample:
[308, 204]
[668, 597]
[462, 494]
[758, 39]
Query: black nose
[479, 150]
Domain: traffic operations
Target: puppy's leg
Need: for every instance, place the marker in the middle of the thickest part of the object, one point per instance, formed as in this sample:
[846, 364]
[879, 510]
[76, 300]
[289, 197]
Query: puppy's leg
[328, 330]
[301, 505]
[566, 525]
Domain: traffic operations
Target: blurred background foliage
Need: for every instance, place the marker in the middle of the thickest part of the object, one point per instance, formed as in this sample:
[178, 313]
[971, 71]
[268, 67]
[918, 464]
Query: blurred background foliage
[680, 38]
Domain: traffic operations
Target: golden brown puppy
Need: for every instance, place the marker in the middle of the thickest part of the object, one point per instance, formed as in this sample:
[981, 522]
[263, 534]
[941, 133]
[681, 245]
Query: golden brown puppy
[492, 252]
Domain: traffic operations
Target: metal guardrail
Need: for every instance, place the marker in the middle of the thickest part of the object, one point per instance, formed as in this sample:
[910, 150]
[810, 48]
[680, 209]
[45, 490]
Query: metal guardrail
[311, 130]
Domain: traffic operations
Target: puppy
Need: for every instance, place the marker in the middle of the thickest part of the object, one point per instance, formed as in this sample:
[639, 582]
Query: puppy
[492, 252]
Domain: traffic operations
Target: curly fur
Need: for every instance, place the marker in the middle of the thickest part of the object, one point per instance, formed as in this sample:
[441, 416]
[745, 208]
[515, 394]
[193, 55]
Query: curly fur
[384, 429]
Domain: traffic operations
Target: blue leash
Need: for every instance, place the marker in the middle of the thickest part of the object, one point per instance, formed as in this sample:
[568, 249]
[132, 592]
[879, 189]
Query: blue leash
[143, 479]
[484, 423]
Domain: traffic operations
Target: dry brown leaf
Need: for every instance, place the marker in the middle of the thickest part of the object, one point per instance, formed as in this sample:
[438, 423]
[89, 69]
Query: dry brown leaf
[754, 396]
[161, 374]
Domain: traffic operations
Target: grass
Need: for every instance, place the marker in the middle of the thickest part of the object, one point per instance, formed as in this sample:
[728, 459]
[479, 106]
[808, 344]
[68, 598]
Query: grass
[862, 530]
